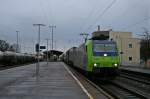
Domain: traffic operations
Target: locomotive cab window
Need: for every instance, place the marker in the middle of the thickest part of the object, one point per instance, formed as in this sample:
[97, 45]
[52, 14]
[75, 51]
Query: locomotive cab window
[101, 49]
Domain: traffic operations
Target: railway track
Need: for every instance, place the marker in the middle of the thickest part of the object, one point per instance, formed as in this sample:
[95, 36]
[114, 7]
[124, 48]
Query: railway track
[138, 83]
[138, 78]
[119, 92]
[125, 86]
[113, 90]
[95, 90]
[128, 85]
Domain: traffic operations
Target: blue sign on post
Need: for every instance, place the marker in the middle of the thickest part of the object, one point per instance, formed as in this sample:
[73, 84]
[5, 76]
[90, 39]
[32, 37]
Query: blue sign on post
[37, 47]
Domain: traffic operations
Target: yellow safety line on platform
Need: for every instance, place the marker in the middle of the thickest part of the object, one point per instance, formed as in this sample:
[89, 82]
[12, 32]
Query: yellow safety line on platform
[79, 83]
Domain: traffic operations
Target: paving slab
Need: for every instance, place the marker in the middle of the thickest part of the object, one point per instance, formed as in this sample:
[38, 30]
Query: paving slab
[54, 82]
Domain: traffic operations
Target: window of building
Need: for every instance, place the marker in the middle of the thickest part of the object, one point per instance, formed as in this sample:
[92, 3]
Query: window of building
[130, 45]
[130, 58]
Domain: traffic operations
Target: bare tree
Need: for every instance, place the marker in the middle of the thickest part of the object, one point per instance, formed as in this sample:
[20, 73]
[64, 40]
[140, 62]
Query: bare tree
[146, 34]
[145, 45]
[4, 46]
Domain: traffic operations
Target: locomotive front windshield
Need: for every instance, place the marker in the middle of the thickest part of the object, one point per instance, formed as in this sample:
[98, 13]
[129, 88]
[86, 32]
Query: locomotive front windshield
[104, 47]
[101, 49]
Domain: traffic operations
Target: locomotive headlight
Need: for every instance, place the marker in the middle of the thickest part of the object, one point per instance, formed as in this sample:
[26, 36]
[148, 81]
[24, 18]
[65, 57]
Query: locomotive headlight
[105, 54]
[95, 65]
[115, 65]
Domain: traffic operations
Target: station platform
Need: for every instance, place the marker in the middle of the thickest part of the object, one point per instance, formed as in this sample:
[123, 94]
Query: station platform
[136, 69]
[53, 82]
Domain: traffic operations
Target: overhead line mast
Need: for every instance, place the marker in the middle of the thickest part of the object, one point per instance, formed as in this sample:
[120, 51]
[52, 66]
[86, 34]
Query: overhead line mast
[52, 27]
[38, 51]
[47, 49]
[17, 49]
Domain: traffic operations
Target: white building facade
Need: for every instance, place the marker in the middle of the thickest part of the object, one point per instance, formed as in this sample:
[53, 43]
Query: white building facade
[128, 46]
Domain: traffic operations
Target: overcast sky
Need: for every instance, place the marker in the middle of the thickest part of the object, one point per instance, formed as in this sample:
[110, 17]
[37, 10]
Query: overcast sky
[71, 18]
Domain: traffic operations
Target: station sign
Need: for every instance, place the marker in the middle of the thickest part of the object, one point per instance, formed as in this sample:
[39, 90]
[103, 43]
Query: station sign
[37, 47]
[42, 47]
